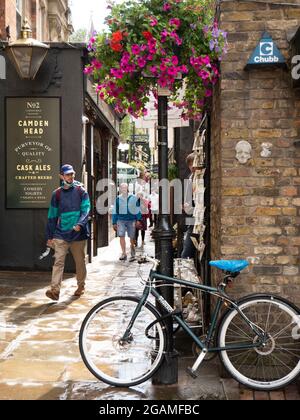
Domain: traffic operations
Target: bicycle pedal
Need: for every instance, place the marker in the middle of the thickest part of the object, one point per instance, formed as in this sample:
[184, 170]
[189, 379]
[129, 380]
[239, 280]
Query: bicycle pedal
[192, 373]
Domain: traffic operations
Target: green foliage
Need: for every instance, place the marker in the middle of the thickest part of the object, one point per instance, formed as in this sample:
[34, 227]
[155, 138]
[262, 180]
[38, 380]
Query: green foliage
[126, 129]
[173, 172]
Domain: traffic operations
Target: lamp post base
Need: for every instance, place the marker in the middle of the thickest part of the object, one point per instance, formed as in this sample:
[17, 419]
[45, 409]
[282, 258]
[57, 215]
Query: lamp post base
[163, 235]
[168, 372]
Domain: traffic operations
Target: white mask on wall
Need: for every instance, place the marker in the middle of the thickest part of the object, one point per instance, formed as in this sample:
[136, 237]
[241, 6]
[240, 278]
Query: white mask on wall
[243, 151]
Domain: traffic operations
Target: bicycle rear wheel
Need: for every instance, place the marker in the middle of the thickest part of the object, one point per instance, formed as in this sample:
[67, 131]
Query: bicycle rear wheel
[273, 365]
[113, 361]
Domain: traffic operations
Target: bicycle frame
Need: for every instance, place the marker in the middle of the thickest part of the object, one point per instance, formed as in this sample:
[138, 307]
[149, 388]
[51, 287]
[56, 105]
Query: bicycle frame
[221, 298]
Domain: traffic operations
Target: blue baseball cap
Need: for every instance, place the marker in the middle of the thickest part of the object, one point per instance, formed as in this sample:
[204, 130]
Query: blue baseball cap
[67, 169]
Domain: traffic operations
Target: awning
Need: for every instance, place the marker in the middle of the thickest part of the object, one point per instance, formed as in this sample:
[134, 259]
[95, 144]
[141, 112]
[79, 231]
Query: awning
[126, 171]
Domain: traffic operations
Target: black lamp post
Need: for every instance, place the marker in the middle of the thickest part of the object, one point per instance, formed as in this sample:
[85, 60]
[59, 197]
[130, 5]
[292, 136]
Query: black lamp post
[164, 235]
[27, 54]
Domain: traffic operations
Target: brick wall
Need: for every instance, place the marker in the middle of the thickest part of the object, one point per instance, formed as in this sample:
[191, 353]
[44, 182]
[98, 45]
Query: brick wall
[7, 18]
[256, 206]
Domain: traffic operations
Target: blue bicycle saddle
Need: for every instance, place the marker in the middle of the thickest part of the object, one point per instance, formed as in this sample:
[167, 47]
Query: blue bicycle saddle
[233, 266]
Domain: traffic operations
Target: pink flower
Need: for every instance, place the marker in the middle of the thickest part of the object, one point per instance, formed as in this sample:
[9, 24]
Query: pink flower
[172, 71]
[163, 67]
[153, 69]
[204, 74]
[125, 59]
[117, 73]
[88, 70]
[135, 49]
[166, 7]
[206, 60]
[208, 93]
[162, 81]
[154, 21]
[141, 62]
[96, 63]
[175, 60]
[175, 22]
[184, 69]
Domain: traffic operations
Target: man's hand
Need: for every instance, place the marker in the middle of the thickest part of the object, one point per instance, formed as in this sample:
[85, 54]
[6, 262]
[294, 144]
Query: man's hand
[138, 225]
[50, 243]
[77, 228]
[115, 228]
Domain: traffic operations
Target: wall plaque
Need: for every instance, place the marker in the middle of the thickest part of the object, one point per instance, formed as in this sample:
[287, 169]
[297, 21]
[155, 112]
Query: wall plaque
[32, 151]
[266, 54]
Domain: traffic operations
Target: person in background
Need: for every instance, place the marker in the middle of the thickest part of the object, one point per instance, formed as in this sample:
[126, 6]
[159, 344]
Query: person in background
[145, 210]
[142, 185]
[154, 205]
[68, 229]
[126, 219]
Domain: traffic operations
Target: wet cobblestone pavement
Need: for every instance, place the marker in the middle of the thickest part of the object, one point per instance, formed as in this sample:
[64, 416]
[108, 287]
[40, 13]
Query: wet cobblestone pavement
[39, 355]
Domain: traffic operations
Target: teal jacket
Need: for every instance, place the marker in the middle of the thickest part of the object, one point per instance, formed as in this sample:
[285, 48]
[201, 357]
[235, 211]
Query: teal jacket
[69, 208]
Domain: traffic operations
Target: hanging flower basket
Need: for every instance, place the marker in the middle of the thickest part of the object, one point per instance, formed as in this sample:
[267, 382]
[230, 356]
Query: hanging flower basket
[174, 44]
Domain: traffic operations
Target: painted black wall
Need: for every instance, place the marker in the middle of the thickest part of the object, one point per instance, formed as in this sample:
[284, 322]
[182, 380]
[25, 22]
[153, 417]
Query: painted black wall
[22, 232]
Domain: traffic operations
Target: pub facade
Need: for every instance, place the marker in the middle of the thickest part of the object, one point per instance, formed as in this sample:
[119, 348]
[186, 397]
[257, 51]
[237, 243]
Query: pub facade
[55, 118]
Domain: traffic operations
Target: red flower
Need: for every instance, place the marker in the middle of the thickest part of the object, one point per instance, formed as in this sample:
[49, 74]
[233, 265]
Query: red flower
[117, 36]
[116, 46]
[147, 35]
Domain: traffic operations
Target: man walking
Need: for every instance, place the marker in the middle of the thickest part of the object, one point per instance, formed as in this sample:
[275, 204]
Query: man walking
[68, 229]
[126, 218]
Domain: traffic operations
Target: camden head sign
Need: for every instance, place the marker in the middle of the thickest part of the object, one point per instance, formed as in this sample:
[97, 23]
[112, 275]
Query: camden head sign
[266, 54]
[32, 151]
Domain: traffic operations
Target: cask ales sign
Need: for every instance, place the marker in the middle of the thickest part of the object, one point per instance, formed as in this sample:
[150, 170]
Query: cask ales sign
[32, 151]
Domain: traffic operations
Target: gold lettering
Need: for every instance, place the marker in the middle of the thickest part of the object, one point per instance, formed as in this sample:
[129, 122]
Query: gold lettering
[44, 168]
[33, 123]
[24, 168]
[33, 131]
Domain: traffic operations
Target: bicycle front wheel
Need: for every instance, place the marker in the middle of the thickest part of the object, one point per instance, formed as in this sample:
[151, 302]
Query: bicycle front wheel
[276, 363]
[107, 356]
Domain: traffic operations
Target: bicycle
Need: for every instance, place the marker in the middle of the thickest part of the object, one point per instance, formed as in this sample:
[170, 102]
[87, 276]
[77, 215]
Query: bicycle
[123, 339]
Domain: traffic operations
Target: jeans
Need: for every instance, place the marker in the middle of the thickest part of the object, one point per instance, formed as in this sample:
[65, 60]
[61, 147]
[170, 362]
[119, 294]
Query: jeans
[126, 226]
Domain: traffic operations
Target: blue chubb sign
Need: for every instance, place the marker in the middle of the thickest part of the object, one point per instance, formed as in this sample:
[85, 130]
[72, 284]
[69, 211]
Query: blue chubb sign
[266, 53]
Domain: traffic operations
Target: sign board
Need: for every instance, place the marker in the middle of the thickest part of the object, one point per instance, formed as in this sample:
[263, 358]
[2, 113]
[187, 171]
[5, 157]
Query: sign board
[32, 151]
[140, 152]
[266, 54]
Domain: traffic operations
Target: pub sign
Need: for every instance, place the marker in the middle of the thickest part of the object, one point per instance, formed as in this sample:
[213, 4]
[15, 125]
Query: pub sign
[32, 151]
